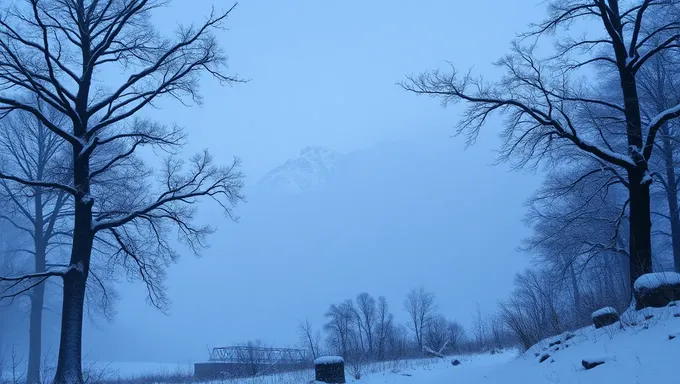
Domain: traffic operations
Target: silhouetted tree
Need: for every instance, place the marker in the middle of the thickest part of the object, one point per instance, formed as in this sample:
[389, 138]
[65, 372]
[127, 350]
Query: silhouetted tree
[420, 307]
[543, 97]
[54, 52]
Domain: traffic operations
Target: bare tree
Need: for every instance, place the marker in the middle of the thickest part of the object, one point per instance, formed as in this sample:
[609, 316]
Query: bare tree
[340, 327]
[456, 334]
[309, 338]
[437, 333]
[366, 307]
[479, 328]
[420, 307]
[659, 90]
[543, 97]
[34, 153]
[384, 321]
[54, 51]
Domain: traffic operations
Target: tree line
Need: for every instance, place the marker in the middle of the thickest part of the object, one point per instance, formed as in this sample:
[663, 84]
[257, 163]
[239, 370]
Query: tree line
[364, 330]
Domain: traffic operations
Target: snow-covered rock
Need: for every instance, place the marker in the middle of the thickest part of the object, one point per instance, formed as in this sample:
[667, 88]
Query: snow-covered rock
[656, 289]
[604, 317]
[656, 280]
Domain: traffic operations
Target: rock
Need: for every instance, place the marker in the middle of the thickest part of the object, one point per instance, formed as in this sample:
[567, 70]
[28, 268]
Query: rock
[649, 317]
[569, 336]
[656, 290]
[673, 335]
[544, 358]
[592, 363]
[556, 342]
[455, 362]
[676, 315]
[605, 316]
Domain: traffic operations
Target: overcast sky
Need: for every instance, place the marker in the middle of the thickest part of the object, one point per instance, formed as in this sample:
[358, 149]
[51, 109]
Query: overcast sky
[323, 73]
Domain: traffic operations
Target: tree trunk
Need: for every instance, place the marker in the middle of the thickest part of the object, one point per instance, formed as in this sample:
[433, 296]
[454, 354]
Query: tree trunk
[35, 330]
[575, 290]
[671, 194]
[37, 293]
[639, 197]
[69, 362]
[640, 226]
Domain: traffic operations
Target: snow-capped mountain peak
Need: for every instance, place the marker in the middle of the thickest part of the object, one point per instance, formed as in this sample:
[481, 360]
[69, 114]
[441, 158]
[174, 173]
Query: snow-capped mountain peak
[309, 171]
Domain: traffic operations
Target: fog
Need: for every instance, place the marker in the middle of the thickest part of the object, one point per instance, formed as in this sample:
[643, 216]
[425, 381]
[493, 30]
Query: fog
[401, 204]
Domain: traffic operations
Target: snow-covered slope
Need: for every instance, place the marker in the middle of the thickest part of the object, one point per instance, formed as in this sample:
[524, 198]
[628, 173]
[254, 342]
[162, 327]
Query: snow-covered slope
[307, 172]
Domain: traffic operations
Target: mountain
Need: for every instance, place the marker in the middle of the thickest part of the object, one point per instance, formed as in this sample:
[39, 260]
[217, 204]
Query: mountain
[307, 172]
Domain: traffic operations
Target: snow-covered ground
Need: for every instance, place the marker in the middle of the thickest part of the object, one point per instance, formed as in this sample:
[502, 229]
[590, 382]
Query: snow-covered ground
[643, 349]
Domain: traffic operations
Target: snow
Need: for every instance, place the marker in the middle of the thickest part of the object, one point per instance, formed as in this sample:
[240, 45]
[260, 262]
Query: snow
[604, 311]
[655, 280]
[606, 151]
[329, 360]
[663, 116]
[640, 353]
[646, 179]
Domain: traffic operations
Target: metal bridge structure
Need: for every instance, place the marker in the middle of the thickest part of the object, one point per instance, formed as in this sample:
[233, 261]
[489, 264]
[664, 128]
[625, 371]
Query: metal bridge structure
[260, 355]
[248, 360]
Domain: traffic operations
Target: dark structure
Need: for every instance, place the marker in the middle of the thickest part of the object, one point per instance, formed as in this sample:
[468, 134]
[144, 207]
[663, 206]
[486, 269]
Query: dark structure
[246, 361]
[330, 369]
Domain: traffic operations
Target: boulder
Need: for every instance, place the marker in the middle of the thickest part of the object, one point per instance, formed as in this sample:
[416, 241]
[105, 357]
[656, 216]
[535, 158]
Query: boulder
[604, 317]
[656, 290]
[455, 362]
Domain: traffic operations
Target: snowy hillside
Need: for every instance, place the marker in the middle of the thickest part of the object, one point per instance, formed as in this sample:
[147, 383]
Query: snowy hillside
[307, 172]
[643, 349]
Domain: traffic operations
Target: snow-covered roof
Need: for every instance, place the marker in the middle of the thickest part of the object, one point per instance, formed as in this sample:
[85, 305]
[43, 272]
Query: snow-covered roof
[604, 311]
[329, 360]
[654, 280]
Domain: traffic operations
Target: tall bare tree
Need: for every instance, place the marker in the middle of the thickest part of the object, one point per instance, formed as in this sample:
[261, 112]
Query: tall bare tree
[420, 306]
[340, 327]
[32, 152]
[366, 307]
[384, 322]
[55, 52]
[309, 338]
[543, 96]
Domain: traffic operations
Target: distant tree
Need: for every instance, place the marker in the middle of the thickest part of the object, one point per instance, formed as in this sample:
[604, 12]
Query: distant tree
[479, 328]
[420, 307]
[310, 339]
[366, 307]
[456, 334]
[32, 152]
[543, 97]
[55, 52]
[340, 327]
[384, 320]
[437, 333]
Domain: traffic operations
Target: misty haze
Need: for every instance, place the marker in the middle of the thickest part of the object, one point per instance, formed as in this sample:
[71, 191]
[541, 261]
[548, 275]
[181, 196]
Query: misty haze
[339, 192]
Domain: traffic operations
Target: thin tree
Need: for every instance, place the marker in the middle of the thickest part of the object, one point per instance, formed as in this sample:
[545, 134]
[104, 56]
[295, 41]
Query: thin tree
[384, 321]
[54, 52]
[366, 307]
[543, 97]
[420, 307]
[309, 338]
